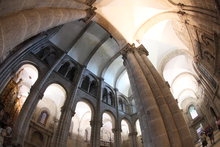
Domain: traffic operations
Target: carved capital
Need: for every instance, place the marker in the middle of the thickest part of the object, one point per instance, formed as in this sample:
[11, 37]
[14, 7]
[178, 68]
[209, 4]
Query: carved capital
[127, 49]
[133, 134]
[142, 50]
[90, 13]
[116, 130]
[95, 123]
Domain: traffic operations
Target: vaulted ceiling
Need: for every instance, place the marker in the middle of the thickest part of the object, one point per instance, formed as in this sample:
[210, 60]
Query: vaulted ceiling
[151, 23]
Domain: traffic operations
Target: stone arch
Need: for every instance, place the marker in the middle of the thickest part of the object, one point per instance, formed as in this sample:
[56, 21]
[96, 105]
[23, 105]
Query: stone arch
[173, 15]
[123, 103]
[192, 111]
[64, 68]
[85, 83]
[71, 73]
[108, 96]
[17, 90]
[187, 89]
[108, 127]
[125, 132]
[112, 115]
[90, 104]
[111, 29]
[182, 74]
[53, 99]
[128, 122]
[170, 56]
[81, 124]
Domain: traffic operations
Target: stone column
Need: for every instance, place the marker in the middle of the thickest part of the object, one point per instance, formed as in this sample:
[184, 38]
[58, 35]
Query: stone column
[97, 119]
[117, 135]
[180, 123]
[133, 138]
[61, 135]
[18, 27]
[117, 130]
[169, 123]
[22, 123]
[142, 117]
[148, 106]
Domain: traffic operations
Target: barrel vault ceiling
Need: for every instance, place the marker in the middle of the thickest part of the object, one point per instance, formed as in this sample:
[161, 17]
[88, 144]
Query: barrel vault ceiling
[139, 22]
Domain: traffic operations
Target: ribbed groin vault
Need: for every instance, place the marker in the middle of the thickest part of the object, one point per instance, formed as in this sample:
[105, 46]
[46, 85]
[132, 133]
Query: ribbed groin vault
[108, 73]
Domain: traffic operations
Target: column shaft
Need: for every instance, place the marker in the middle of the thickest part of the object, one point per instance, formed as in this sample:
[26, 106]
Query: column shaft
[142, 119]
[157, 129]
[133, 138]
[117, 136]
[118, 121]
[181, 125]
[20, 26]
[61, 135]
[97, 123]
[164, 109]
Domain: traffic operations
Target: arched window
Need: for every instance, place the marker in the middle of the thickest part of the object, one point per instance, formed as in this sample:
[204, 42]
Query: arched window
[51, 58]
[43, 117]
[70, 75]
[105, 95]
[111, 98]
[85, 83]
[63, 69]
[193, 112]
[121, 106]
[107, 133]
[47, 55]
[81, 125]
[93, 88]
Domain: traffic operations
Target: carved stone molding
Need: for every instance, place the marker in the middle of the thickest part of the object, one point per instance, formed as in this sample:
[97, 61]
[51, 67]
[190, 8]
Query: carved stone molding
[128, 48]
[90, 13]
[142, 50]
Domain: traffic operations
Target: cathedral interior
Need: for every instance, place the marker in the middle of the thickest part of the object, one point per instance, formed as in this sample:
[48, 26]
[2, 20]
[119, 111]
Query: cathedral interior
[108, 73]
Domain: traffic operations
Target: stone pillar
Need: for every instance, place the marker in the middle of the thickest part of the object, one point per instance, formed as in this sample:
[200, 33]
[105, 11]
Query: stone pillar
[22, 123]
[133, 138]
[95, 135]
[180, 123]
[142, 117]
[97, 119]
[117, 135]
[117, 129]
[147, 105]
[169, 123]
[61, 135]
[18, 27]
